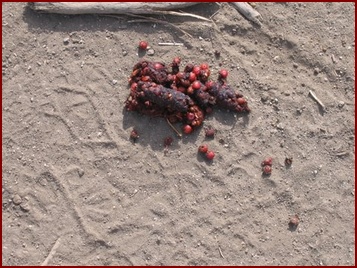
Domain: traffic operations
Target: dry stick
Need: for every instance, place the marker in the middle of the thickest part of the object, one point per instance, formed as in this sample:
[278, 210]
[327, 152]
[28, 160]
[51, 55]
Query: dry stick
[342, 154]
[312, 94]
[170, 44]
[52, 252]
[178, 133]
[157, 21]
[220, 252]
[107, 7]
[248, 12]
[184, 14]
[158, 8]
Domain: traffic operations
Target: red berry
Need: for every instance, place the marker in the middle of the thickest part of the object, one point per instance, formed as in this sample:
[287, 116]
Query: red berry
[181, 89]
[210, 155]
[209, 84]
[176, 61]
[267, 170]
[187, 129]
[143, 45]
[134, 135]
[196, 70]
[204, 66]
[209, 110]
[241, 101]
[189, 90]
[196, 85]
[190, 116]
[180, 76]
[203, 148]
[192, 77]
[158, 65]
[168, 141]
[134, 86]
[204, 75]
[223, 74]
[210, 132]
[267, 161]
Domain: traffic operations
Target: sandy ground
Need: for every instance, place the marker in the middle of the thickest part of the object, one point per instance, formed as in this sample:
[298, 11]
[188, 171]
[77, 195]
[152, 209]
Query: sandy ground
[77, 191]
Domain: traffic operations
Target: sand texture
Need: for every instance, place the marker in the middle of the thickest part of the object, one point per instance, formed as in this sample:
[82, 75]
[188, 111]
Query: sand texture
[77, 191]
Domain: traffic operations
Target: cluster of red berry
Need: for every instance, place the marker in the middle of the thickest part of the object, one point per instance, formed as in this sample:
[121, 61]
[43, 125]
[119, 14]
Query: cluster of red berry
[185, 95]
[203, 149]
[267, 165]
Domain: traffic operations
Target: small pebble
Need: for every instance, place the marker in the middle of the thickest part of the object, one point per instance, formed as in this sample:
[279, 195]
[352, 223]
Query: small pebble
[295, 65]
[125, 53]
[341, 104]
[17, 199]
[80, 172]
[316, 71]
[264, 98]
[280, 126]
[150, 52]
[66, 41]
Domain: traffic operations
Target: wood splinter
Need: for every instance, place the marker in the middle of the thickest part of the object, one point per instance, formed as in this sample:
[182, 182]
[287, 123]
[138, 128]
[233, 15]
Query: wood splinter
[170, 44]
[220, 252]
[52, 252]
[173, 128]
[312, 94]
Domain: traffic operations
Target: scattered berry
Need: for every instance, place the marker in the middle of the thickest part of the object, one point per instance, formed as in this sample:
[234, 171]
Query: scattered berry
[134, 135]
[210, 132]
[143, 45]
[223, 74]
[294, 222]
[210, 155]
[168, 141]
[267, 161]
[288, 161]
[267, 170]
[187, 129]
[203, 148]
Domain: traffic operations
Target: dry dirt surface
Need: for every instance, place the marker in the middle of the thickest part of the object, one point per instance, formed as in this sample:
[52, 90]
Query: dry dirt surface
[77, 191]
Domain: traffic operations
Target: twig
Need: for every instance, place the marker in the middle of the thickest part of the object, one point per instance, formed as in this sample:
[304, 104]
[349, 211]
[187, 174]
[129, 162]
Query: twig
[170, 44]
[312, 94]
[146, 19]
[134, 193]
[220, 252]
[52, 252]
[248, 12]
[214, 14]
[184, 15]
[178, 133]
[342, 154]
